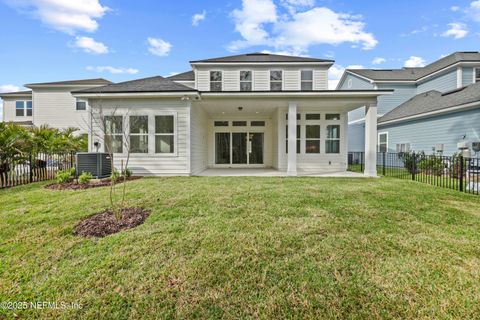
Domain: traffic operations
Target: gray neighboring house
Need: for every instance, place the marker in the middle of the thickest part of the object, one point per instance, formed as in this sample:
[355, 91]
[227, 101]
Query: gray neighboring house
[433, 108]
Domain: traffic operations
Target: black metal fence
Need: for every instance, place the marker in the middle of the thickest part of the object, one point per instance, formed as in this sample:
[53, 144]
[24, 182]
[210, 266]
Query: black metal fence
[30, 168]
[453, 172]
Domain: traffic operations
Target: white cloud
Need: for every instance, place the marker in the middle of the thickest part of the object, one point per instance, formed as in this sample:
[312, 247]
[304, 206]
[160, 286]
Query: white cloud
[455, 8]
[6, 88]
[113, 70]
[159, 47]
[336, 72]
[89, 45]
[68, 16]
[456, 30]
[198, 17]
[415, 62]
[259, 24]
[378, 60]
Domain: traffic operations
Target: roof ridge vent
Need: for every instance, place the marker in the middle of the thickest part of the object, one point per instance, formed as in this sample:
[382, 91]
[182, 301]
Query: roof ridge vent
[258, 54]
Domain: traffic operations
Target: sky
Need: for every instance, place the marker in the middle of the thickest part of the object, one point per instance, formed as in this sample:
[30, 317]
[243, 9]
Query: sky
[54, 40]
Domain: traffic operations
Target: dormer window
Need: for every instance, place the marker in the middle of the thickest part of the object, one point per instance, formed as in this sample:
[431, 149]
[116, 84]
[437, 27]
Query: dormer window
[276, 80]
[245, 80]
[307, 80]
[215, 80]
[477, 75]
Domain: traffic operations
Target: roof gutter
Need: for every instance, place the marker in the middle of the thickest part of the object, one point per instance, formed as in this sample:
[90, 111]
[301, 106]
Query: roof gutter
[172, 94]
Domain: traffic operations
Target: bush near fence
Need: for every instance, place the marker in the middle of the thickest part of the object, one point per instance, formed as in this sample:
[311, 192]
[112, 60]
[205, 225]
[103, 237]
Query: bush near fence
[453, 172]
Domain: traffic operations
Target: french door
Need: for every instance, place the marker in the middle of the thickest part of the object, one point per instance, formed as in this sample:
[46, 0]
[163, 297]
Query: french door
[239, 148]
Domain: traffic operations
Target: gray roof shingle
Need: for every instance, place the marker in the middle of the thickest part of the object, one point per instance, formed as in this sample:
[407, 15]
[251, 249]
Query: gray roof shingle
[152, 84]
[184, 76]
[413, 74]
[6, 94]
[433, 101]
[86, 82]
[259, 57]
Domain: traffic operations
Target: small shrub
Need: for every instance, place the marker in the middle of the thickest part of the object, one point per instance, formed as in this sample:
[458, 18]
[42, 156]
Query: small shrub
[115, 175]
[410, 161]
[64, 176]
[85, 178]
[127, 173]
[432, 165]
[73, 172]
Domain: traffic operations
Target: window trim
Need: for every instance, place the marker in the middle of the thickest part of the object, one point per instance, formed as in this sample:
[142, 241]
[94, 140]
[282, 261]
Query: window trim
[240, 81]
[378, 141]
[475, 79]
[114, 134]
[319, 139]
[270, 79]
[175, 134]
[210, 80]
[309, 81]
[81, 100]
[24, 109]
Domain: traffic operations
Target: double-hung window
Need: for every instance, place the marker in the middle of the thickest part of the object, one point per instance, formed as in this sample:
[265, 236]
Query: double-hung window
[383, 142]
[113, 134]
[81, 105]
[276, 80]
[165, 134]
[139, 134]
[306, 80]
[332, 141]
[245, 80]
[215, 80]
[23, 108]
[477, 74]
[312, 138]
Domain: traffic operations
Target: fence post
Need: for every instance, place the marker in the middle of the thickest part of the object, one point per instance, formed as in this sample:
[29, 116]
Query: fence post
[461, 172]
[361, 161]
[383, 163]
[414, 165]
[30, 171]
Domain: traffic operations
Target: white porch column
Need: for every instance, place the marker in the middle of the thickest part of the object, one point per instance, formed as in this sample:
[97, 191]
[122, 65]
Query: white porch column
[292, 139]
[371, 140]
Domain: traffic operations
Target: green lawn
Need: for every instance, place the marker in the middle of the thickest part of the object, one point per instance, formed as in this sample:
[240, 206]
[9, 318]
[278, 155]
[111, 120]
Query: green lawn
[247, 248]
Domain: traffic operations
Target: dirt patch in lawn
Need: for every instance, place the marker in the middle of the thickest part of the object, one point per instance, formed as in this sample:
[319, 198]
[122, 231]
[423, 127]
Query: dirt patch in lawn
[105, 223]
[78, 186]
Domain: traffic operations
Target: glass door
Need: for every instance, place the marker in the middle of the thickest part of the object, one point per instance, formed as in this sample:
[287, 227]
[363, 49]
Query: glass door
[222, 148]
[239, 148]
[255, 148]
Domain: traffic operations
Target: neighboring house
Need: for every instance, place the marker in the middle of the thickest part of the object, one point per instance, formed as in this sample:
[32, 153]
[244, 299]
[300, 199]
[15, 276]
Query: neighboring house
[452, 72]
[247, 111]
[51, 104]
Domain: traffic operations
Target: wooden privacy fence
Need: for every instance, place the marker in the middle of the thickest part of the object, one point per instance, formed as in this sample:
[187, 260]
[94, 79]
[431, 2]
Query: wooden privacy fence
[28, 168]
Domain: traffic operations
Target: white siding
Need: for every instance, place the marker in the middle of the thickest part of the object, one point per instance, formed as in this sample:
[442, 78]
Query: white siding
[320, 79]
[291, 79]
[56, 108]
[231, 80]
[261, 79]
[151, 163]
[203, 80]
[9, 110]
[198, 140]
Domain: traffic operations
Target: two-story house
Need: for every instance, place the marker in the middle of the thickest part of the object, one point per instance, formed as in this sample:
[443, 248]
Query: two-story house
[433, 108]
[50, 103]
[247, 111]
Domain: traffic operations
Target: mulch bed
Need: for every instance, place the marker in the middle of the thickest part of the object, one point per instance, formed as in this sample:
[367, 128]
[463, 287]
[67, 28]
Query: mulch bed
[105, 223]
[78, 186]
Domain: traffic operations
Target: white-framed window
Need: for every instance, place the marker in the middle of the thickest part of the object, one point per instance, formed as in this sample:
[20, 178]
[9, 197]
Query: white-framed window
[246, 80]
[383, 142]
[113, 134]
[81, 105]
[306, 79]
[332, 140]
[312, 138]
[165, 134]
[276, 80]
[476, 73]
[138, 134]
[299, 139]
[23, 108]
[216, 80]
[403, 147]
[332, 116]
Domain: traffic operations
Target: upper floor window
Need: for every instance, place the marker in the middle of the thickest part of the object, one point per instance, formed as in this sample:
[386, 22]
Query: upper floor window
[81, 105]
[23, 108]
[477, 75]
[307, 80]
[215, 80]
[113, 134]
[245, 80]
[276, 80]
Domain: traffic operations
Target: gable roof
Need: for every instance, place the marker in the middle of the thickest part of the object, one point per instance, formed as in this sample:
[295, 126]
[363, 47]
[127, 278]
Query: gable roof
[414, 74]
[258, 57]
[434, 101]
[152, 84]
[184, 76]
[82, 82]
